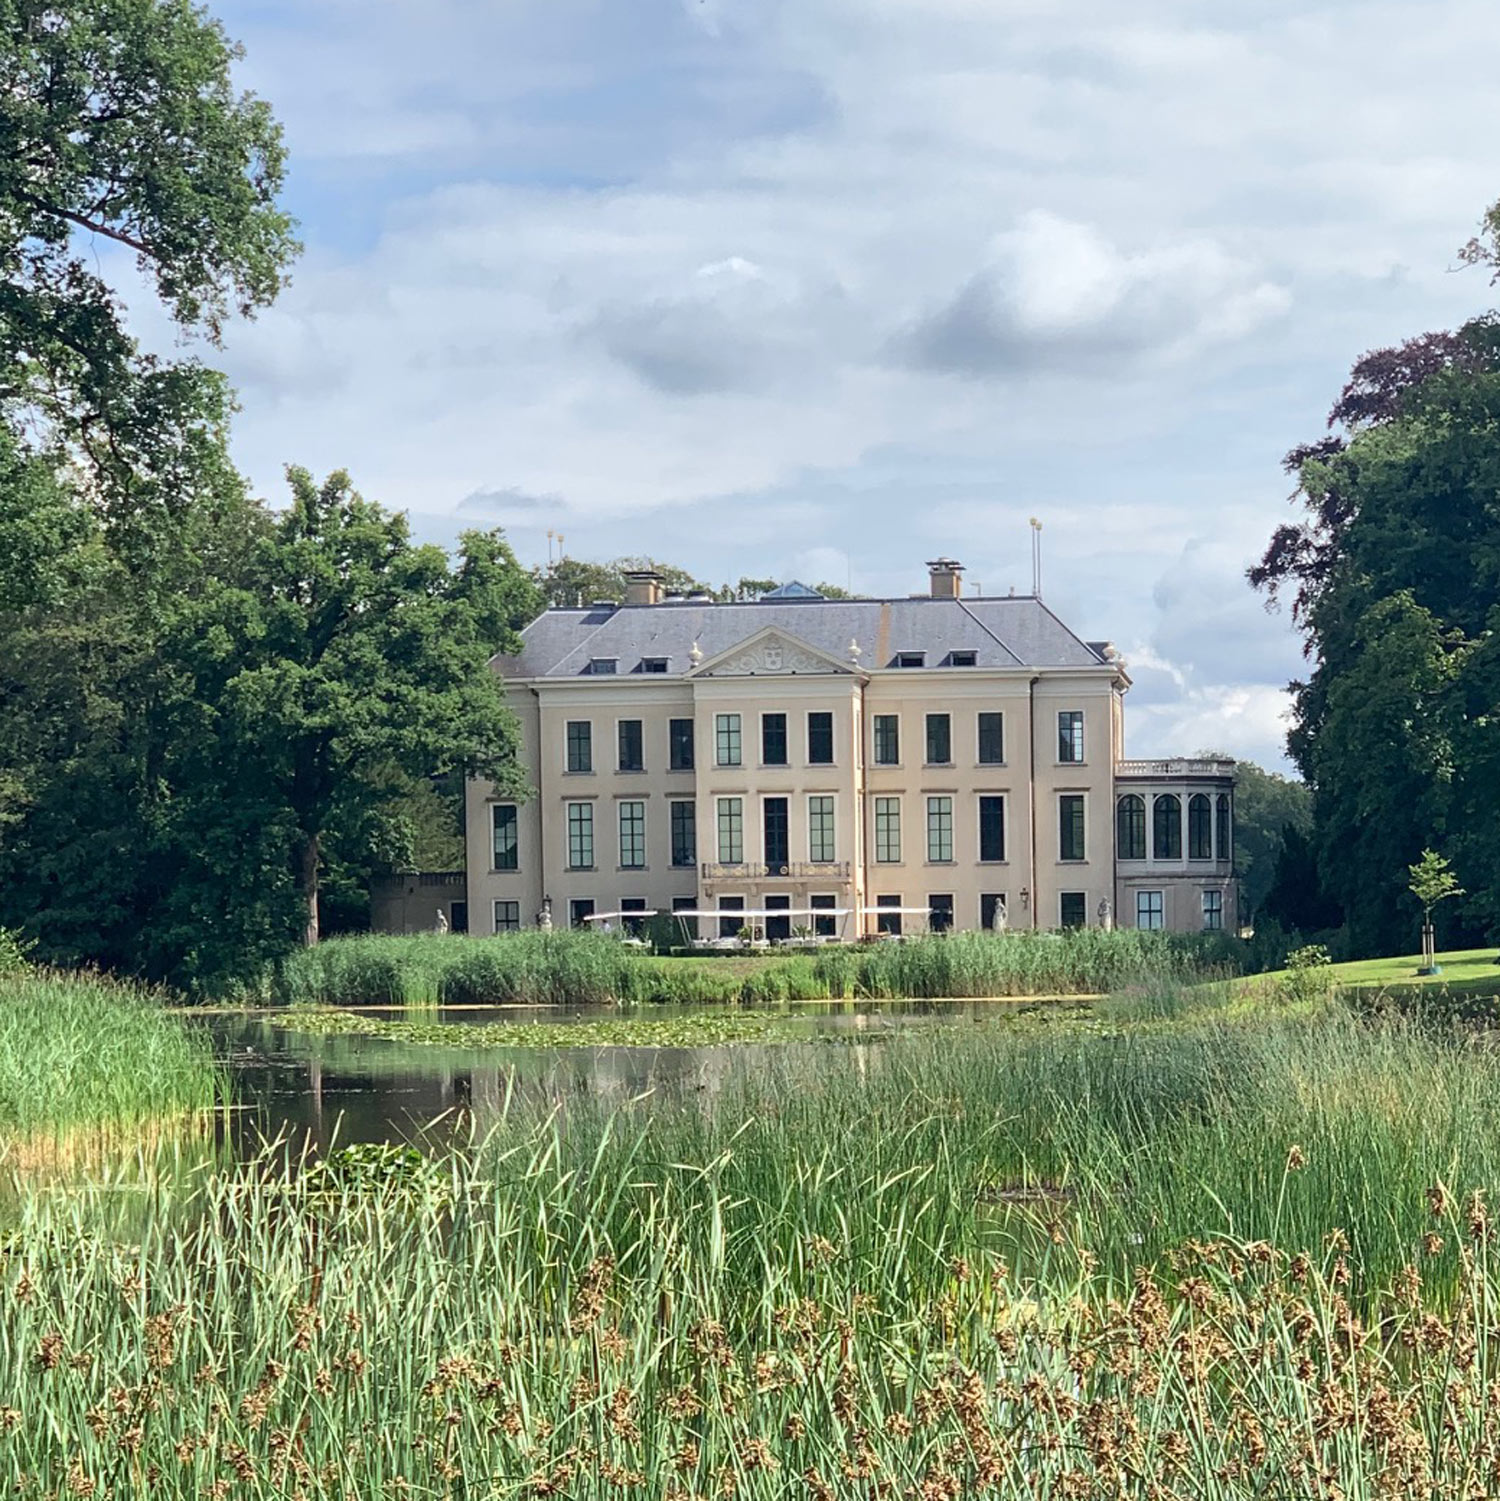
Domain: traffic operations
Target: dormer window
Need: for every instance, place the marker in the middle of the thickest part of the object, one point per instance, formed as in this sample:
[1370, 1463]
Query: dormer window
[603, 666]
[963, 659]
[653, 664]
[911, 659]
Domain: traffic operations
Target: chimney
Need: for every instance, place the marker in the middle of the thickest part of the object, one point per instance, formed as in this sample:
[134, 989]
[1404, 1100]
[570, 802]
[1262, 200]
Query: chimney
[643, 587]
[944, 576]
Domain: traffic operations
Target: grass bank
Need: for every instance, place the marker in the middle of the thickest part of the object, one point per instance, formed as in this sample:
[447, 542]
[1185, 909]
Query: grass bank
[80, 1052]
[572, 969]
[1171, 1258]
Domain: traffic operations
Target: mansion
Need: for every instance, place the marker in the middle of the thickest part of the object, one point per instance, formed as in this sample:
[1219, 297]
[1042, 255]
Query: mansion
[841, 768]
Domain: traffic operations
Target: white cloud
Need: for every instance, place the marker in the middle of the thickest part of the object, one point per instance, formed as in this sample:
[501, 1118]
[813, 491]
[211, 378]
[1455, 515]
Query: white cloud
[703, 272]
[1056, 294]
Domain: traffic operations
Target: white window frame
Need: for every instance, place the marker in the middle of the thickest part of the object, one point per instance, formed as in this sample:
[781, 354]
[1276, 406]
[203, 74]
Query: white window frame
[582, 822]
[1160, 913]
[979, 855]
[895, 802]
[1217, 911]
[495, 915]
[832, 846]
[721, 731]
[639, 805]
[1082, 859]
[937, 798]
[721, 806]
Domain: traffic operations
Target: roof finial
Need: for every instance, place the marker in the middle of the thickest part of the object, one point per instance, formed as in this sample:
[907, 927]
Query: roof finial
[696, 654]
[854, 651]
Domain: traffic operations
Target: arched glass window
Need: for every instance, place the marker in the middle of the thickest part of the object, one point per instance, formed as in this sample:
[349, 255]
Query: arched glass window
[1166, 827]
[1200, 827]
[1130, 827]
[1221, 832]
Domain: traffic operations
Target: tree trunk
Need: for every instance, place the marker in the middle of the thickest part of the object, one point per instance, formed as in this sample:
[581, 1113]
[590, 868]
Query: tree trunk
[310, 888]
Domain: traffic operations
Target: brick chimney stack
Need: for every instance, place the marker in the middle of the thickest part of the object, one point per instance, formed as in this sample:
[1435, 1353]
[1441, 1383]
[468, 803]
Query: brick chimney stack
[945, 576]
[643, 587]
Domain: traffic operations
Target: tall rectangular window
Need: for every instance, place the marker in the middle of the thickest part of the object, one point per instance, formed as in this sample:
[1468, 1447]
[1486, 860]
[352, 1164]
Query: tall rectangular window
[507, 917]
[688, 926]
[580, 909]
[632, 757]
[1221, 826]
[729, 927]
[1148, 909]
[888, 915]
[775, 833]
[507, 849]
[684, 833]
[940, 913]
[1072, 909]
[727, 739]
[887, 739]
[580, 836]
[1070, 830]
[820, 738]
[940, 829]
[680, 744]
[1200, 827]
[820, 829]
[824, 927]
[991, 739]
[773, 739]
[939, 740]
[1213, 910]
[1070, 736]
[887, 830]
[992, 828]
[632, 835]
[731, 831]
[580, 745]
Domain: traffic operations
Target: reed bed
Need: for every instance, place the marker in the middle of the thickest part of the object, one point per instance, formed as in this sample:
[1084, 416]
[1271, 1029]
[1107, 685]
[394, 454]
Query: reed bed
[1160, 1259]
[80, 1052]
[576, 969]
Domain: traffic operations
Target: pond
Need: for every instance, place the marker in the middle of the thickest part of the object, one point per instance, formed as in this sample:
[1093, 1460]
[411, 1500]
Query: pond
[352, 1087]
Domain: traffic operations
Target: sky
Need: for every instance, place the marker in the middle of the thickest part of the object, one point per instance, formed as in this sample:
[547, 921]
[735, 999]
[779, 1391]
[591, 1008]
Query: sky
[822, 289]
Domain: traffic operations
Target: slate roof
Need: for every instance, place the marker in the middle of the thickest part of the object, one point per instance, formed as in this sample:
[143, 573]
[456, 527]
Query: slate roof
[1012, 632]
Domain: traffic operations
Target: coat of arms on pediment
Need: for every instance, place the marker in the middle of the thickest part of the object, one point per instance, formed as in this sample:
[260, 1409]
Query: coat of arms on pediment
[767, 654]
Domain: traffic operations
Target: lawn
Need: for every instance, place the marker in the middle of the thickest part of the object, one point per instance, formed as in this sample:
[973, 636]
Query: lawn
[1467, 968]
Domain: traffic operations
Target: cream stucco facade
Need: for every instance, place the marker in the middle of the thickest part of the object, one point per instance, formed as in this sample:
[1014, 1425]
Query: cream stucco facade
[901, 763]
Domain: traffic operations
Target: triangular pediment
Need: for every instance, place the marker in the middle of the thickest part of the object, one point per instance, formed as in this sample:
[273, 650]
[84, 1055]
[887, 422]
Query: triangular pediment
[771, 652]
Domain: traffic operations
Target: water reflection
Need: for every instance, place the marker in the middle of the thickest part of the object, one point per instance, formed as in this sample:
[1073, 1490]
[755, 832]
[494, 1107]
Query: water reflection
[350, 1088]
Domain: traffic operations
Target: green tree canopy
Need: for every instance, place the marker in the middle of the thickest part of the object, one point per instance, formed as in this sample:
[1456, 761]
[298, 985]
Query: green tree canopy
[1394, 580]
[120, 125]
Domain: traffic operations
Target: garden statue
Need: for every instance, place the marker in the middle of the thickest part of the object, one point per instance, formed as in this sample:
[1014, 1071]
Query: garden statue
[1106, 916]
[544, 917]
[441, 925]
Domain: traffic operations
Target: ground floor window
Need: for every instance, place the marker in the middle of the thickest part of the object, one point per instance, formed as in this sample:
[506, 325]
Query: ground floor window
[1072, 909]
[458, 917]
[1213, 910]
[992, 911]
[823, 927]
[635, 926]
[940, 912]
[886, 921]
[507, 917]
[778, 928]
[1149, 910]
[729, 927]
[579, 908]
[688, 924]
